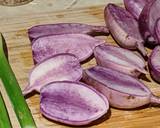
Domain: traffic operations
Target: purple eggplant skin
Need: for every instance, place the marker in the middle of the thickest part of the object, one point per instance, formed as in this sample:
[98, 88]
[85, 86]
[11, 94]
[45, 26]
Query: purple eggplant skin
[65, 28]
[154, 64]
[124, 28]
[72, 103]
[157, 29]
[119, 59]
[135, 7]
[80, 45]
[147, 22]
[59, 67]
[122, 91]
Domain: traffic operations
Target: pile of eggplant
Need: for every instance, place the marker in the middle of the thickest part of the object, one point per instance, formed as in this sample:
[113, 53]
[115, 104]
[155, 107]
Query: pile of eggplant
[75, 96]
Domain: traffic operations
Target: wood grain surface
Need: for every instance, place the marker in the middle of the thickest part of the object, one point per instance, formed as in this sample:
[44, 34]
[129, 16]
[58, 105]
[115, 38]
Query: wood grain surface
[14, 2]
[14, 27]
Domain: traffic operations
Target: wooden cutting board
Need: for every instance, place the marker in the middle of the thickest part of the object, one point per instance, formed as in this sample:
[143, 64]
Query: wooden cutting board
[15, 28]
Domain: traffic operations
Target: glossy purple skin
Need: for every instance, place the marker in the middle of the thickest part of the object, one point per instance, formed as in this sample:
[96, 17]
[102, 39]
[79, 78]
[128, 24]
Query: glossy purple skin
[157, 29]
[122, 91]
[57, 68]
[135, 7]
[119, 59]
[147, 21]
[72, 103]
[78, 44]
[124, 28]
[154, 64]
[65, 28]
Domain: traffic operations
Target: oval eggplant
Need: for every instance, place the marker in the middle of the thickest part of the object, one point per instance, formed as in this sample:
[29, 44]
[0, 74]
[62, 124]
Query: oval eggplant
[135, 7]
[78, 44]
[119, 59]
[154, 64]
[57, 68]
[124, 28]
[122, 91]
[72, 103]
[147, 21]
[65, 28]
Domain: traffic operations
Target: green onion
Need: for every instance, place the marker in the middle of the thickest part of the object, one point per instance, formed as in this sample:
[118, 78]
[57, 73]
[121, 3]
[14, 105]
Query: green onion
[14, 91]
[4, 118]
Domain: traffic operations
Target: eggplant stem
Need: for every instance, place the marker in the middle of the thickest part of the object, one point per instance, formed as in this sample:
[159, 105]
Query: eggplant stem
[27, 90]
[155, 100]
[142, 71]
[141, 48]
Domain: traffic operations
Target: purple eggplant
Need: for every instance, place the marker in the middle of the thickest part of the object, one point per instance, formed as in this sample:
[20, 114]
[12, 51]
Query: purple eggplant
[154, 64]
[123, 91]
[124, 28]
[147, 21]
[119, 59]
[66, 28]
[157, 29]
[72, 103]
[135, 7]
[57, 68]
[78, 44]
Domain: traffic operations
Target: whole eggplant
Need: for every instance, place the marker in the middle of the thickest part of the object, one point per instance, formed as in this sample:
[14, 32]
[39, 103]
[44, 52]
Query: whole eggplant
[154, 63]
[147, 22]
[157, 29]
[135, 7]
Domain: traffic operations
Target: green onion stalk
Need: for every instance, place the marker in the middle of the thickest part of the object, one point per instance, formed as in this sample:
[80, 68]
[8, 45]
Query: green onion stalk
[4, 118]
[13, 90]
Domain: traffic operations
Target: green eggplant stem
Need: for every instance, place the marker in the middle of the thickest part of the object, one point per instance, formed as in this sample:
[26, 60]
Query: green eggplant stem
[4, 118]
[14, 91]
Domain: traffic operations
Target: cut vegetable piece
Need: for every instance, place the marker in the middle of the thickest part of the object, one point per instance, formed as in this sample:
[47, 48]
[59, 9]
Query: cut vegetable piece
[154, 63]
[78, 44]
[14, 92]
[57, 68]
[4, 118]
[147, 21]
[124, 28]
[122, 91]
[135, 7]
[72, 103]
[66, 28]
[157, 29]
[119, 59]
